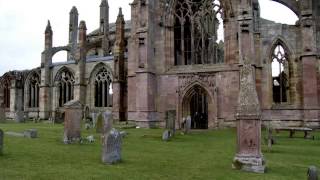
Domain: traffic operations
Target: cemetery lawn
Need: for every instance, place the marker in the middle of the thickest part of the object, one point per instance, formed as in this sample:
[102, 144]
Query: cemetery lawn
[199, 155]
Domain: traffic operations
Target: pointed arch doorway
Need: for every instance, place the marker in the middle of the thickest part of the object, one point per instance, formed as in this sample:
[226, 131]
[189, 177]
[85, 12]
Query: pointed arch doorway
[196, 103]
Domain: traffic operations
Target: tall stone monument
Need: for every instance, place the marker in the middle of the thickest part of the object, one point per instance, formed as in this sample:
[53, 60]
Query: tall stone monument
[72, 121]
[249, 156]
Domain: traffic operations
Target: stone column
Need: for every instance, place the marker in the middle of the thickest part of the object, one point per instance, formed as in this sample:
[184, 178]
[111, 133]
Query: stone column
[80, 86]
[72, 121]
[309, 64]
[46, 61]
[248, 155]
[119, 77]
[144, 83]
[104, 26]
[73, 32]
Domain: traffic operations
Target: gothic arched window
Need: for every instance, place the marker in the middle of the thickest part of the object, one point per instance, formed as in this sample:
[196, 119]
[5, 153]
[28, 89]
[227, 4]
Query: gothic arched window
[195, 32]
[6, 93]
[280, 74]
[33, 91]
[103, 88]
[65, 87]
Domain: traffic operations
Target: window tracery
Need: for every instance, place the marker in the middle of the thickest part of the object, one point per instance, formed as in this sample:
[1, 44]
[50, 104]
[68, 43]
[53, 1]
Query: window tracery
[33, 91]
[103, 88]
[65, 87]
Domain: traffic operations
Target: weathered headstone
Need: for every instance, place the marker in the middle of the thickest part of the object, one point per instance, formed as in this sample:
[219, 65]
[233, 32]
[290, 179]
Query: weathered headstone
[107, 122]
[111, 151]
[31, 133]
[166, 135]
[19, 116]
[2, 114]
[170, 120]
[187, 124]
[1, 141]
[94, 119]
[99, 125]
[72, 122]
[312, 173]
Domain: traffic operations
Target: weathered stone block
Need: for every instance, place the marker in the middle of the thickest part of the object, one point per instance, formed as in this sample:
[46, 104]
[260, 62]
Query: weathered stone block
[111, 151]
[30, 133]
[72, 121]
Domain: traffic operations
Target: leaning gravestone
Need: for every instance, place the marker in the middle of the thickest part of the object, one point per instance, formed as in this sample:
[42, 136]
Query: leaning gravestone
[111, 152]
[107, 122]
[1, 141]
[99, 125]
[312, 173]
[19, 116]
[72, 121]
[187, 124]
[2, 114]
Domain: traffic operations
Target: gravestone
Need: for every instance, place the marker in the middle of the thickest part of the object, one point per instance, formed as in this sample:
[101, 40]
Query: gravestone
[2, 114]
[1, 141]
[94, 119]
[312, 173]
[30, 133]
[72, 122]
[19, 116]
[187, 126]
[111, 151]
[107, 122]
[170, 120]
[166, 135]
[99, 125]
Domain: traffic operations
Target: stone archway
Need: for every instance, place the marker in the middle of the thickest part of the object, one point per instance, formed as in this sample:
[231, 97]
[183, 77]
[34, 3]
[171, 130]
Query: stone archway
[195, 103]
[198, 98]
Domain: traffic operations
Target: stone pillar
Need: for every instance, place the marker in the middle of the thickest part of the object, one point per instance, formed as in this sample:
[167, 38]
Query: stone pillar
[73, 32]
[144, 82]
[46, 61]
[80, 86]
[119, 77]
[248, 155]
[104, 26]
[72, 121]
[309, 64]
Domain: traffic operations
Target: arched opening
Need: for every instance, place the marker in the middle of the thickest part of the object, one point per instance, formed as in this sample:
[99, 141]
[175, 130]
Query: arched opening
[6, 93]
[60, 56]
[103, 88]
[280, 74]
[280, 13]
[32, 86]
[196, 104]
[196, 24]
[65, 84]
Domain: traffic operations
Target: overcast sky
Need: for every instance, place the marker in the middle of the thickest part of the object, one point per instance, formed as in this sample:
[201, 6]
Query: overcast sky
[23, 23]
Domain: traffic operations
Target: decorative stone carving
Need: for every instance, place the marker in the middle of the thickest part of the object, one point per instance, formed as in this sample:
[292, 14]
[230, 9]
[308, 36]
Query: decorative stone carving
[208, 80]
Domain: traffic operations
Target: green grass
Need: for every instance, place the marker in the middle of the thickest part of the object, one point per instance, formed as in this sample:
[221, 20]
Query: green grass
[200, 155]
